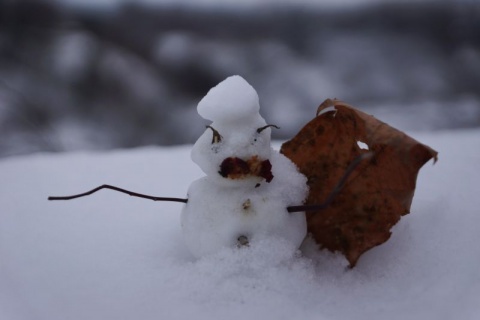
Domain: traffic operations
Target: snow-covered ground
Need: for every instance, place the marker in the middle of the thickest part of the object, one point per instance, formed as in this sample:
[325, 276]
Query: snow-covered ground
[110, 256]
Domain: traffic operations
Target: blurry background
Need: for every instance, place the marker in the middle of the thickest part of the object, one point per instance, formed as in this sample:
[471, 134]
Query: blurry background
[115, 74]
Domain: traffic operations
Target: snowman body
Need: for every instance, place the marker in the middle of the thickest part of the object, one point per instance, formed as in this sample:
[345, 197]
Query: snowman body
[248, 186]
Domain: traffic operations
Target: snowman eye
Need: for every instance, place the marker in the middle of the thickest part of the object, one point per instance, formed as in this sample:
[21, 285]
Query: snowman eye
[216, 138]
[259, 130]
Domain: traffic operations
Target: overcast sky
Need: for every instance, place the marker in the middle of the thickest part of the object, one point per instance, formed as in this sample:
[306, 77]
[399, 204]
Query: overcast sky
[236, 3]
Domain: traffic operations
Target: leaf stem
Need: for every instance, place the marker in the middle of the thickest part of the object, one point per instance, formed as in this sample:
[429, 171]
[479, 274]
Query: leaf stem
[341, 183]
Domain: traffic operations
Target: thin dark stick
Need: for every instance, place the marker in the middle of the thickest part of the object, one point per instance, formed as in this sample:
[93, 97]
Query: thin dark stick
[336, 190]
[259, 130]
[130, 193]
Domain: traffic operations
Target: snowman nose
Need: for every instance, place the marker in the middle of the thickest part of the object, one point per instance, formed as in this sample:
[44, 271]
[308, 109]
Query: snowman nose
[236, 168]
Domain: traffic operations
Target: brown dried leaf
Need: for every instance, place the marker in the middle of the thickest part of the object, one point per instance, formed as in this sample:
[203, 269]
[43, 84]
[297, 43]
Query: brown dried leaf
[375, 196]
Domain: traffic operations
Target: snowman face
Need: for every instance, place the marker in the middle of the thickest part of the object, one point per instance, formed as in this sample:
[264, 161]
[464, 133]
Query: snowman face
[235, 151]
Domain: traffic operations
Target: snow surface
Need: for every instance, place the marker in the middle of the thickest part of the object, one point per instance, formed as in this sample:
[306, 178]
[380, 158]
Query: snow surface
[110, 256]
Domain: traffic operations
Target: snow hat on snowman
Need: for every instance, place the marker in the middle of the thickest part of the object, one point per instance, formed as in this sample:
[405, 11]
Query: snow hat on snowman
[232, 100]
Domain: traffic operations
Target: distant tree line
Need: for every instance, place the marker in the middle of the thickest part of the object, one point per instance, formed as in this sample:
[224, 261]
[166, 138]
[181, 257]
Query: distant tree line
[130, 75]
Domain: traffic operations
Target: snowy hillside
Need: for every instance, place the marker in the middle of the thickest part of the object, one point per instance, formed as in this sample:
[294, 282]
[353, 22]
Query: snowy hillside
[110, 256]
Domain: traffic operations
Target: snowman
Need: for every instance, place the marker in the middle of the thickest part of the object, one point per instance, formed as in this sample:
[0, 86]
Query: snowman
[248, 186]
[248, 189]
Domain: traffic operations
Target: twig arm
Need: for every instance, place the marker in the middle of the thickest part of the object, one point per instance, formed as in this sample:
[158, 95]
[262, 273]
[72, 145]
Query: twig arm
[316, 207]
[313, 207]
[130, 193]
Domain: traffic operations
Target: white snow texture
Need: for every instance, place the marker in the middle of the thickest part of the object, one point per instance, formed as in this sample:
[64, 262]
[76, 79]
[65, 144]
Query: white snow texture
[232, 100]
[221, 210]
[111, 256]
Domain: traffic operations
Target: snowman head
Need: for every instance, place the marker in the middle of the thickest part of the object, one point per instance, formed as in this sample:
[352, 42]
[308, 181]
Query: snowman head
[235, 147]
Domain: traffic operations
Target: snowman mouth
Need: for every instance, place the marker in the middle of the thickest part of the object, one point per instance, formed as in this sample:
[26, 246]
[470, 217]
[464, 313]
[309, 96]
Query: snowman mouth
[236, 168]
